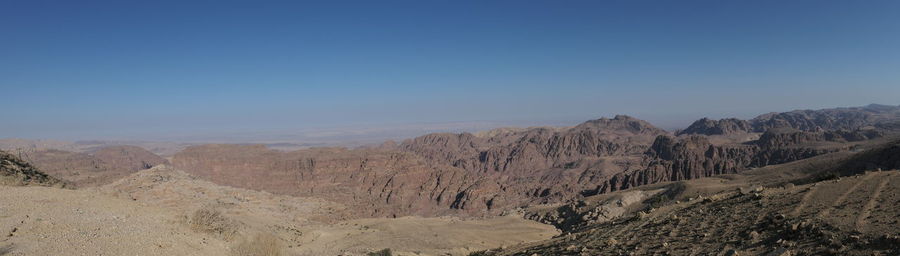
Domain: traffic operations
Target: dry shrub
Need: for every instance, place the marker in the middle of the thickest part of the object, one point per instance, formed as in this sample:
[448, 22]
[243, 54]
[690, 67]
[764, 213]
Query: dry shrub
[384, 252]
[211, 220]
[261, 245]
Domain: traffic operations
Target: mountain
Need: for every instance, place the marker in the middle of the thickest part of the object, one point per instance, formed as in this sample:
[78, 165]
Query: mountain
[726, 126]
[827, 205]
[497, 171]
[829, 119]
[848, 119]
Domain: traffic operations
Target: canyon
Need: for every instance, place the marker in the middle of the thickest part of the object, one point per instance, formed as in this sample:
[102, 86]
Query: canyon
[552, 189]
[497, 171]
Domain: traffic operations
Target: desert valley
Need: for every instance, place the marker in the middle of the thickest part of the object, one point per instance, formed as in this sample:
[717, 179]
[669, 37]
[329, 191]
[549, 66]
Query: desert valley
[449, 128]
[804, 182]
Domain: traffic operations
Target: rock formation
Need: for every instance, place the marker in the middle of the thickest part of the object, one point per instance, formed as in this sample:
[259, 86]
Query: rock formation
[491, 172]
[706, 126]
[828, 119]
[14, 171]
[88, 169]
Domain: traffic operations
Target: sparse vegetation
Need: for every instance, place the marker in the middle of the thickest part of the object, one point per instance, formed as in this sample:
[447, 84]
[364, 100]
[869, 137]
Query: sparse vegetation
[211, 220]
[672, 192]
[383, 252]
[260, 245]
[479, 253]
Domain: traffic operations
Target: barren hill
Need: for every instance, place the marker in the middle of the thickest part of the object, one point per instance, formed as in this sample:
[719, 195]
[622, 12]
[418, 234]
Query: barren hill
[779, 210]
[14, 171]
[98, 167]
[487, 174]
[164, 211]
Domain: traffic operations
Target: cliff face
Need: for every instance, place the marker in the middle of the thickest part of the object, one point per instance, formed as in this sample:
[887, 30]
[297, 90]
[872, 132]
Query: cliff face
[376, 182]
[491, 172]
[538, 148]
[89, 169]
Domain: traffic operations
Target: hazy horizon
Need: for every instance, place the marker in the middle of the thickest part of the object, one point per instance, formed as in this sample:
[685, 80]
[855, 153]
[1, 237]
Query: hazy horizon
[172, 70]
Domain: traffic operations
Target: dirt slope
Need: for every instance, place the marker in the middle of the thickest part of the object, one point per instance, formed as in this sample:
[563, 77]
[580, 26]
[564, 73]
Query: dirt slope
[850, 216]
[52, 221]
[14, 171]
[312, 226]
[803, 208]
[94, 168]
[149, 213]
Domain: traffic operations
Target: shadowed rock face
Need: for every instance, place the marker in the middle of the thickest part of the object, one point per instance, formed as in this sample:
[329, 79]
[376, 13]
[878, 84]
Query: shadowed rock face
[14, 171]
[88, 169]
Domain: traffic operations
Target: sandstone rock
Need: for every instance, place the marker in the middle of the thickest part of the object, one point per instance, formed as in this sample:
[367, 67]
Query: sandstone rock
[707, 126]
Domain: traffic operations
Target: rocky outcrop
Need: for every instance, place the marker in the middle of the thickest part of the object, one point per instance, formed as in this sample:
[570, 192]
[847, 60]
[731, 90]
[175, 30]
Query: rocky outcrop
[706, 126]
[375, 182]
[828, 119]
[538, 148]
[14, 171]
[491, 172]
[130, 158]
[691, 157]
[90, 169]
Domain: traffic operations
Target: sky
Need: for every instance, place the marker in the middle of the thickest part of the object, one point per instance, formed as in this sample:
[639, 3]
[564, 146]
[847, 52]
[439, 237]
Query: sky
[152, 69]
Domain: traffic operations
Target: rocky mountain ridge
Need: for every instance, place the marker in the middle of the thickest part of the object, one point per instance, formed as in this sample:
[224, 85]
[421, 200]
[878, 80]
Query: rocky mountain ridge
[846, 119]
[487, 174]
[842, 203]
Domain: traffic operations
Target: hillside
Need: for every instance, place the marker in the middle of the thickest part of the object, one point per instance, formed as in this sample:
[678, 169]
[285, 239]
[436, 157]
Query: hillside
[101, 166]
[155, 212]
[785, 210]
[494, 172]
[15, 171]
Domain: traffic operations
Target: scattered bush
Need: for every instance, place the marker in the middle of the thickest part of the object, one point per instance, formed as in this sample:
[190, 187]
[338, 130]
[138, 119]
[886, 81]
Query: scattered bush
[385, 252]
[211, 220]
[479, 253]
[261, 245]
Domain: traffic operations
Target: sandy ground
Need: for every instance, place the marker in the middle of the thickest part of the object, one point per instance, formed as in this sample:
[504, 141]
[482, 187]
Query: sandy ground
[147, 213]
[423, 236]
[52, 221]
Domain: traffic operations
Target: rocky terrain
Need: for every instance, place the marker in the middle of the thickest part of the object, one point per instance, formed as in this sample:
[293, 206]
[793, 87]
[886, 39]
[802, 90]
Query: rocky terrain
[496, 171]
[16, 172]
[98, 167]
[826, 205]
[155, 211]
[787, 182]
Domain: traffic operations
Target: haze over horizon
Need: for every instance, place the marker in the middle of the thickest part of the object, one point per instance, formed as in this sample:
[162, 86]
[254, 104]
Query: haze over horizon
[138, 70]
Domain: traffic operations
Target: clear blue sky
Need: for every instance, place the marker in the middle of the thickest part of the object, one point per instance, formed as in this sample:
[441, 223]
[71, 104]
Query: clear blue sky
[87, 69]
